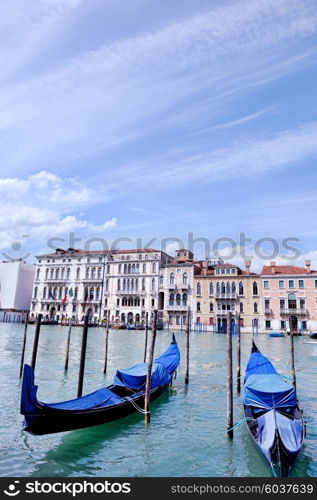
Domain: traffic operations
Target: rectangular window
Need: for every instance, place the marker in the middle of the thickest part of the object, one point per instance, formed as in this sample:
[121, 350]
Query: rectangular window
[184, 320]
[177, 320]
[281, 284]
[283, 324]
[302, 303]
[266, 284]
[267, 324]
[267, 303]
[291, 284]
[282, 304]
[304, 325]
[301, 283]
[315, 283]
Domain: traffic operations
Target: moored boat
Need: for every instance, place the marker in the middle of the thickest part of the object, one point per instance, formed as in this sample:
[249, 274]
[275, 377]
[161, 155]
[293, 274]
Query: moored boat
[124, 396]
[313, 335]
[277, 334]
[273, 415]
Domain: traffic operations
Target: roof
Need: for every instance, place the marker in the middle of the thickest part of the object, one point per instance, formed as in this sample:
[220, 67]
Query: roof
[73, 251]
[280, 270]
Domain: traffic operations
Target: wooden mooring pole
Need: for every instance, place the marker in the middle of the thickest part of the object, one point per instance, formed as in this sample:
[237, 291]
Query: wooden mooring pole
[187, 347]
[68, 344]
[146, 335]
[24, 343]
[229, 378]
[82, 358]
[293, 358]
[147, 414]
[238, 355]
[36, 340]
[107, 339]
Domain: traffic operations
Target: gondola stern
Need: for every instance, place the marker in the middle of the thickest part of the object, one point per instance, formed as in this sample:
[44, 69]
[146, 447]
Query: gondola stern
[29, 401]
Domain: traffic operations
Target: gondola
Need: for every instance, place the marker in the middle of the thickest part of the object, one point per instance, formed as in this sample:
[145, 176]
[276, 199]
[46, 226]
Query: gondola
[124, 396]
[272, 414]
[277, 334]
[313, 335]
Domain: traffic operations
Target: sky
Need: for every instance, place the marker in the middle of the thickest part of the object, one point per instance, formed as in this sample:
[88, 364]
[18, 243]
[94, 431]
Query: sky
[144, 121]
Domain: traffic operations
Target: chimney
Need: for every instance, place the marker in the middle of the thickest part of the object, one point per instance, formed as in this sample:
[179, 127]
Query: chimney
[204, 266]
[308, 264]
[273, 264]
[247, 264]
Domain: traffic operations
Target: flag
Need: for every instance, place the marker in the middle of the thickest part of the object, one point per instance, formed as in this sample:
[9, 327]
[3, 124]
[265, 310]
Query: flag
[64, 300]
[71, 293]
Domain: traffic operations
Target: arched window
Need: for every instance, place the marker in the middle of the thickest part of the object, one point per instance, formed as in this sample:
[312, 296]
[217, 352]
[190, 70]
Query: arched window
[57, 273]
[153, 285]
[35, 292]
[107, 285]
[255, 307]
[198, 306]
[233, 287]
[124, 284]
[119, 284]
[211, 307]
[154, 267]
[199, 288]
[143, 284]
[218, 287]
[119, 269]
[93, 273]
[138, 268]
[161, 279]
[68, 273]
[255, 288]
[98, 293]
[129, 268]
[241, 291]
[87, 272]
[38, 272]
[108, 268]
[144, 268]
[132, 285]
[52, 273]
[185, 278]
[171, 299]
[223, 288]
[55, 292]
[136, 284]
[172, 278]
[184, 299]
[133, 268]
[91, 293]
[125, 269]
[63, 273]
[99, 273]
[60, 293]
[178, 299]
[211, 288]
[228, 287]
[44, 292]
[76, 293]
[46, 273]
[241, 307]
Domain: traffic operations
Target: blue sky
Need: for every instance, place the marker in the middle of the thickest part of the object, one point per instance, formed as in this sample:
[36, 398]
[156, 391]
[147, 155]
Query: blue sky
[137, 118]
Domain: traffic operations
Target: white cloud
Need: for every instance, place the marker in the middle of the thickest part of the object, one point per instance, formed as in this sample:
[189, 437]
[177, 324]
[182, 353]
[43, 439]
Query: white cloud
[44, 205]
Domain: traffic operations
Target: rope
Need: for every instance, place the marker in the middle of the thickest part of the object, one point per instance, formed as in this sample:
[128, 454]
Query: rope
[273, 471]
[310, 427]
[136, 406]
[241, 421]
[287, 378]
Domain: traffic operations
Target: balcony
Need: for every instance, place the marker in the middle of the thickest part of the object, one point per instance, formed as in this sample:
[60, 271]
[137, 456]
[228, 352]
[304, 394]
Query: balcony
[225, 313]
[92, 280]
[267, 310]
[300, 312]
[227, 295]
[130, 292]
[183, 286]
[57, 280]
[177, 308]
[171, 286]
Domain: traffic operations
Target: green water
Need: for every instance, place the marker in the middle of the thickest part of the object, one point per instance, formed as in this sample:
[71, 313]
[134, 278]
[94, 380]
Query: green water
[187, 434]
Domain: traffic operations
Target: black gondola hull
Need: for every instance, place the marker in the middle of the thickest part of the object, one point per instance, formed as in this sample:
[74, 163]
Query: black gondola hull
[51, 420]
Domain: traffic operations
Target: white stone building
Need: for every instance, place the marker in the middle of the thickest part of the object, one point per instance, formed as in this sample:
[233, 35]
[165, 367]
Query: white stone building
[72, 283]
[16, 284]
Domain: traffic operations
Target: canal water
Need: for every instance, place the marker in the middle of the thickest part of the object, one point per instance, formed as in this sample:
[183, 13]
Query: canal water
[187, 434]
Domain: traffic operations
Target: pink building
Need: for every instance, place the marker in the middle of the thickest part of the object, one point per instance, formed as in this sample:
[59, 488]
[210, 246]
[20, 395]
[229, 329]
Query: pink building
[289, 298]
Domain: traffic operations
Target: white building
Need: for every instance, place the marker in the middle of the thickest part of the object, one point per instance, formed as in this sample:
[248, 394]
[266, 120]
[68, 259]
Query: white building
[16, 284]
[72, 283]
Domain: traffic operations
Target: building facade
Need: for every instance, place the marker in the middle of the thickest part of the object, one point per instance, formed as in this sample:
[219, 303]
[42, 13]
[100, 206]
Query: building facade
[221, 288]
[70, 284]
[289, 298]
[16, 284]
